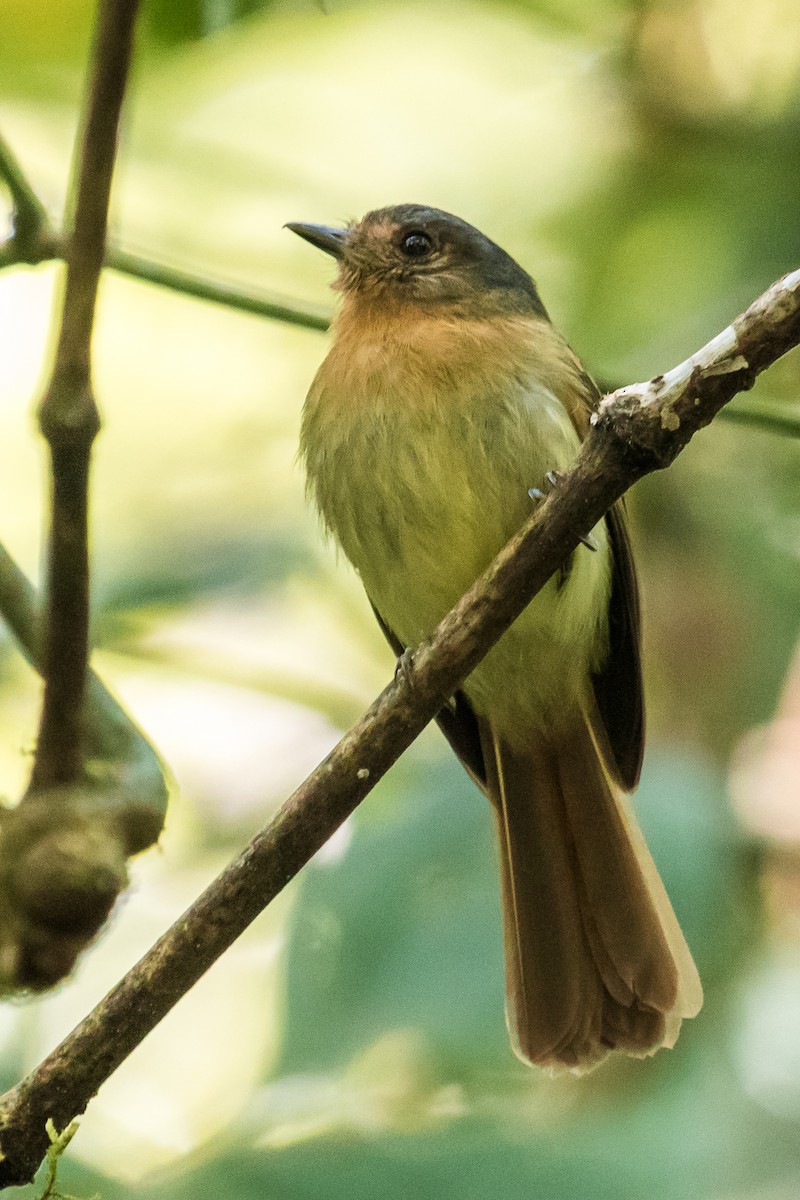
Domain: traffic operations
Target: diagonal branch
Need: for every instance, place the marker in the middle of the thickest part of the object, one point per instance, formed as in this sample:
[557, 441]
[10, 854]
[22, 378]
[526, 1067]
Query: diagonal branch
[32, 241]
[231, 295]
[61, 871]
[68, 414]
[637, 430]
[29, 216]
[125, 767]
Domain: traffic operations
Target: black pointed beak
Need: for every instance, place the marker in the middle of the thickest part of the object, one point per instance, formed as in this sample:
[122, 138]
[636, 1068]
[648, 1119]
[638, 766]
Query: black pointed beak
[332, 241]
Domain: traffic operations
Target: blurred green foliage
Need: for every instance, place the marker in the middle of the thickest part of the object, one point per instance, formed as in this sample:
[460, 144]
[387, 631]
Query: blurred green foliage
[642, 158]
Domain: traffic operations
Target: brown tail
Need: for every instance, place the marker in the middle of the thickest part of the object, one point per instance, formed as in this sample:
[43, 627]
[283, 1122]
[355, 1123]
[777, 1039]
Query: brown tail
[595, 959]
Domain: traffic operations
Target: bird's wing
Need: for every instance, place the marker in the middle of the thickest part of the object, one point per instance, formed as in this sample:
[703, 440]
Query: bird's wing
[457, 720]
[618, 685]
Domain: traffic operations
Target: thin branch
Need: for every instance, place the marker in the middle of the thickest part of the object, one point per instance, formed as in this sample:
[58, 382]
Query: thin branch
[276, 308]
[68, 415]
[29, 216]
[637, 430]
[215, 291]
[777, 418]
[112, 739]
[33, 242]
[63, 854]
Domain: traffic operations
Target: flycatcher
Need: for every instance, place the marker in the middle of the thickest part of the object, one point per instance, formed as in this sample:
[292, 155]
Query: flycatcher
[447, 394]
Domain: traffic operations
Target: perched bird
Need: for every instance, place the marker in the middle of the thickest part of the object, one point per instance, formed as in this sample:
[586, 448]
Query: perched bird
[446, 395]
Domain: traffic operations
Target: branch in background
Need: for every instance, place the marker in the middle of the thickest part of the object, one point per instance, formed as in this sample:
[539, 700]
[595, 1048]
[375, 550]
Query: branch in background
[29, 217]
[637, 430]
[60, 875]
[97, 792]
[33, 241]
[776, 418]
[122, 763]
[68, 415]
[275, 308]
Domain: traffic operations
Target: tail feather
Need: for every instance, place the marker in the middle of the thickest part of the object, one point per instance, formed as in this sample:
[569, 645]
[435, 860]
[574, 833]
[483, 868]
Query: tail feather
[595, 959]
[624, 912]
[546, 979]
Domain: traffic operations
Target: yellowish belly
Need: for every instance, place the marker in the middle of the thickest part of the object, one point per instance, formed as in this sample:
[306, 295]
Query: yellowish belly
[421, 499]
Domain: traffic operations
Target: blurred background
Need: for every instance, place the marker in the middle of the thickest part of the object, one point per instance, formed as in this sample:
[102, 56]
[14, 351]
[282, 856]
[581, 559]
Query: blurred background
[641, 158]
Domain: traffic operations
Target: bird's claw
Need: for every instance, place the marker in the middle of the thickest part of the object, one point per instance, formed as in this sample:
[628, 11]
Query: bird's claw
[556, 481]
[403, 666]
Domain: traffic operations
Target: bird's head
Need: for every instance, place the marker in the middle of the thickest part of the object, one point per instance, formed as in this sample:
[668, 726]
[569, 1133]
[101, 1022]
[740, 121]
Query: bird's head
[413, 254]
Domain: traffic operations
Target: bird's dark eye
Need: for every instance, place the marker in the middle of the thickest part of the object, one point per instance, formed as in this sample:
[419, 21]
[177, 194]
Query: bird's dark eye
[416, 244]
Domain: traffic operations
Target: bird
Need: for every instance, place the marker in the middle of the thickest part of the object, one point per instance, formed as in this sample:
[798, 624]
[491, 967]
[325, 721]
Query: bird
[447, 396]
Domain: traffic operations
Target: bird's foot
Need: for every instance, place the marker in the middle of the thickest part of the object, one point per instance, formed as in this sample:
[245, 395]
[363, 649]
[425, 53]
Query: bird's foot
[556, 481]
[403, 666]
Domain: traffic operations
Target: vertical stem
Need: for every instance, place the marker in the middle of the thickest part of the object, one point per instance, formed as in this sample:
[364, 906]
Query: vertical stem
[59, 753]
[68, 416]
[91, 186]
